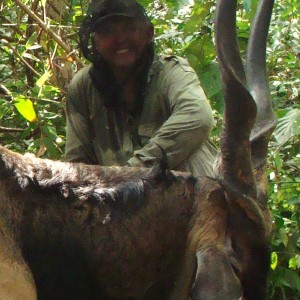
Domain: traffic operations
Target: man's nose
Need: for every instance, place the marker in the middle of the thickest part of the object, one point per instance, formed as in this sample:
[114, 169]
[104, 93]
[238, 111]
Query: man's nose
[121, 33]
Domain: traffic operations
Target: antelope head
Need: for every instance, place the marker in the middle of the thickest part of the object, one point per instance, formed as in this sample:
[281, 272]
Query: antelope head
[233, 259]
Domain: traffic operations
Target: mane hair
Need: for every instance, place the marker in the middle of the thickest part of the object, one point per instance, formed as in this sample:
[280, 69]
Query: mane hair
[124, 190]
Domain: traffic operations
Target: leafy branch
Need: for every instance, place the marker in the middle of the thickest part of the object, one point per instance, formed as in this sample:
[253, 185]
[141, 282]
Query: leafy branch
[20, 57]
[50, 32]
[8, 129]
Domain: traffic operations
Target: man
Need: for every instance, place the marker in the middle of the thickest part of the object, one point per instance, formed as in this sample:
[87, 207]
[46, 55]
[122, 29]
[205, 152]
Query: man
[130, 104]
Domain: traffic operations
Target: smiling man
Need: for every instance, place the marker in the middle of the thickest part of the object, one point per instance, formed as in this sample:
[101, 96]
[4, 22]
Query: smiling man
[129, 103]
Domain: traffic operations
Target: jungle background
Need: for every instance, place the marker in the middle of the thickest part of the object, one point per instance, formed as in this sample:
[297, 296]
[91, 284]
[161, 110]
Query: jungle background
[39, 56]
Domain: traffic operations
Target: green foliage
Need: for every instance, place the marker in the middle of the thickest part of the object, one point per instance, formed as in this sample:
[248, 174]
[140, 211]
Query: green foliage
[36, 70]
[288, 126]
[284, 158]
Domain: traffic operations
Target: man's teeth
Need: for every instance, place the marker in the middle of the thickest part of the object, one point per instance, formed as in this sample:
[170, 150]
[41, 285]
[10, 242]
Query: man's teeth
[122, 51]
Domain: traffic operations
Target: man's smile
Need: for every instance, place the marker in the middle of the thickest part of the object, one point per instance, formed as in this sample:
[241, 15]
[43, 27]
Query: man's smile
[121, 51]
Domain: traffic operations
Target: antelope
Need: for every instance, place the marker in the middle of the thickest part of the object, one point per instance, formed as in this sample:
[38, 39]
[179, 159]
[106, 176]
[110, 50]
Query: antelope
[76, 231]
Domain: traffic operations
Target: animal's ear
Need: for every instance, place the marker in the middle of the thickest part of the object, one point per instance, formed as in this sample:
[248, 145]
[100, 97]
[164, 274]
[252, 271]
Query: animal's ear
[215, 278]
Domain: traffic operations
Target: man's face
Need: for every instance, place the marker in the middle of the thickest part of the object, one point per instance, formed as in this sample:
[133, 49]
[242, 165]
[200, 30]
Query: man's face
[122, 40]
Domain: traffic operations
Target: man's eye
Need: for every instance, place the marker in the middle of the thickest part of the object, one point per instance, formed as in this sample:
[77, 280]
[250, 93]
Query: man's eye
[104, 30]
[131, 26]
[112, 30]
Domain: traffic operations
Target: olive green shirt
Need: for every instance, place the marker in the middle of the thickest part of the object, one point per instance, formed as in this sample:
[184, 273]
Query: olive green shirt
[176, 116]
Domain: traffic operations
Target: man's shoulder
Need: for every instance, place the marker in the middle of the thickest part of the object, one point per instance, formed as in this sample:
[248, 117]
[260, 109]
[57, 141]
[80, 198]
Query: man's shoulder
[175, 62]
[81, 77]
[175, 58]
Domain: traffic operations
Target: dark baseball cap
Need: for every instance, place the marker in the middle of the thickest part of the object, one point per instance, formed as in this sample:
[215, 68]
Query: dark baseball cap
[100, 10]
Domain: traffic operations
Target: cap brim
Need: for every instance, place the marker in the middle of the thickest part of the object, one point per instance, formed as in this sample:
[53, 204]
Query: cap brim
[105, 18]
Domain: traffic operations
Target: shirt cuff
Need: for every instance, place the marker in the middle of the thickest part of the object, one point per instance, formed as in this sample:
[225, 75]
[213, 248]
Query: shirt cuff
[135, 162]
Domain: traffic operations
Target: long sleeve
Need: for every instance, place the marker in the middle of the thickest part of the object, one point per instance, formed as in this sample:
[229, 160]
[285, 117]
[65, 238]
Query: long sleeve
[190, 120]
[78, 143]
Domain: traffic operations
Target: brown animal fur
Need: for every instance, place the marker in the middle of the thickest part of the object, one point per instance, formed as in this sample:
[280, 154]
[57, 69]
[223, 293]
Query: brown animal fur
[74, 219]
[116, 233]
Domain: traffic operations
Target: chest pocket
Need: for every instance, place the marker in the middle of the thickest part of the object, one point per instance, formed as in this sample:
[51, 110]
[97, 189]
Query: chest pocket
[155, 113]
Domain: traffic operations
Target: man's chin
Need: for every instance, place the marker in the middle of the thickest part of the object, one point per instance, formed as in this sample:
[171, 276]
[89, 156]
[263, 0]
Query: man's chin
[124, 65]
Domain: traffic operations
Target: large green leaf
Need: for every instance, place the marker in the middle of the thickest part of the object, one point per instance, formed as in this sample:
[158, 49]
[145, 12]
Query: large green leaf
[41, 81]
[25, 108]
[145, 3]
[175, 3]
[288, 126]
[198, 17]
[274, 260]
[292, 278]
[211, 83]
